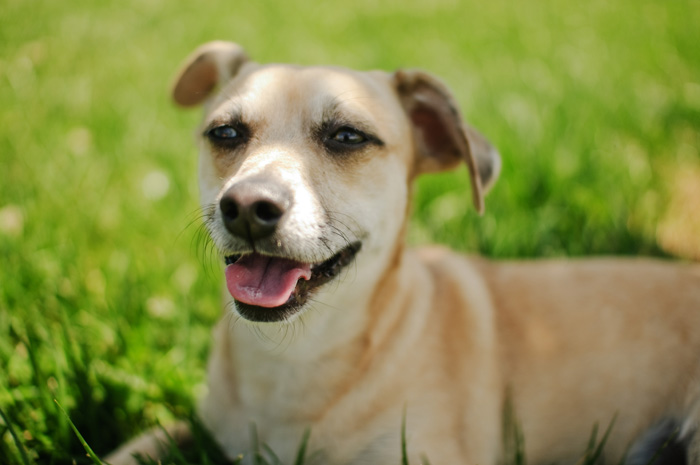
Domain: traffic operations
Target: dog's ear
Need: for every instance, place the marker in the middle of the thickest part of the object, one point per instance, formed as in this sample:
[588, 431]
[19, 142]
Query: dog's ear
[442, 138]
[211, 64]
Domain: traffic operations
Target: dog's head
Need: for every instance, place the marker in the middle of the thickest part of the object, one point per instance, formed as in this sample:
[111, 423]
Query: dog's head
[305, 170]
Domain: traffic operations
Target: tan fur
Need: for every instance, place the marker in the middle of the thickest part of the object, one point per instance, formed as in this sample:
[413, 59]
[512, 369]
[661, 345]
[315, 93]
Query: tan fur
[450, 339]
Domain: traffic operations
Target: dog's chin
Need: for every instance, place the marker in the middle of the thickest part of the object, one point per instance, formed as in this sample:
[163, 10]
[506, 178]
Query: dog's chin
[269, 315]
[321, 274]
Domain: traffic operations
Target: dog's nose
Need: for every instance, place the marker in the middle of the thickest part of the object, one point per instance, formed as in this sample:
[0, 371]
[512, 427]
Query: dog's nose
[252, 210]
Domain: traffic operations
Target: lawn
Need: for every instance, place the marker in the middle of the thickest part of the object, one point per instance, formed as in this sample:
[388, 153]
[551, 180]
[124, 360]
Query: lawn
[107, 291]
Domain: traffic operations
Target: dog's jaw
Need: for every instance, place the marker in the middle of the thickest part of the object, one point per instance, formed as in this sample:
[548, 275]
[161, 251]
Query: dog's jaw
[272, 289]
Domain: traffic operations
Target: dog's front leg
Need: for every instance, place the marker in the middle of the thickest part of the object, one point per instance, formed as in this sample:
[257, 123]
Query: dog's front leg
[152, 444]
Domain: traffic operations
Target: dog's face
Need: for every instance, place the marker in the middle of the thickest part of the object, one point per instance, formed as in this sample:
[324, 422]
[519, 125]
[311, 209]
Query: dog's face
[298, 170]
[303, 171]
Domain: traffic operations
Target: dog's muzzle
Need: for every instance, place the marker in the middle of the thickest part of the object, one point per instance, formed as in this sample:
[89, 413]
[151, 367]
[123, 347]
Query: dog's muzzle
[252, 209]
[267, 287]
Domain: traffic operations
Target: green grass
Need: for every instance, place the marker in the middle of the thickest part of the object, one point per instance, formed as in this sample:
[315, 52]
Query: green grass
[106, 303]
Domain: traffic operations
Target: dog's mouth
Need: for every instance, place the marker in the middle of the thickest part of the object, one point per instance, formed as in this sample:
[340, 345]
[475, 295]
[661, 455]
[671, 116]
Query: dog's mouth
[268, 289]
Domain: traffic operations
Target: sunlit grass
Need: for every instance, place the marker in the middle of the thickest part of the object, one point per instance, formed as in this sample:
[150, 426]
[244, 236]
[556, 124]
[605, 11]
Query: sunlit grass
[106, 305]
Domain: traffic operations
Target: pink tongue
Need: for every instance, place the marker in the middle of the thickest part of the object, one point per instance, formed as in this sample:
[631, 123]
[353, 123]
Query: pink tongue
[264, 281]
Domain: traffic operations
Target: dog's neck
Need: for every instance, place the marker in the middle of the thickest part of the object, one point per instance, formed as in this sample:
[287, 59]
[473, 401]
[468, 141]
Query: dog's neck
[286, 360]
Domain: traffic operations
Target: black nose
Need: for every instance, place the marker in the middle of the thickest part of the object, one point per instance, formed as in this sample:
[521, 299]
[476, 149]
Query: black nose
[253, 209]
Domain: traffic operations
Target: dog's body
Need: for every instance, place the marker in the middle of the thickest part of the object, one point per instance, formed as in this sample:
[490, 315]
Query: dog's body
[306, 176]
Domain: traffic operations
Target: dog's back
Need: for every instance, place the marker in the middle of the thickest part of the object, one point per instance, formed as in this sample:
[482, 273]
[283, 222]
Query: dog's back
[585, 341]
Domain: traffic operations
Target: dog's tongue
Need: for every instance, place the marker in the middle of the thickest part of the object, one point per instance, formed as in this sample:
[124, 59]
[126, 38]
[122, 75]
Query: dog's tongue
[264, 281]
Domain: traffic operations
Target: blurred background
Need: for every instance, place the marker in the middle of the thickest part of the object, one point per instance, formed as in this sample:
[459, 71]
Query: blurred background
[107, 292]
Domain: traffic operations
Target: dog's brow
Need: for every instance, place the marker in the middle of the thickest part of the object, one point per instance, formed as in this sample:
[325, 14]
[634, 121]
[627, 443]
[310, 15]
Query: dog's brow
[233, 117]
[334, 114]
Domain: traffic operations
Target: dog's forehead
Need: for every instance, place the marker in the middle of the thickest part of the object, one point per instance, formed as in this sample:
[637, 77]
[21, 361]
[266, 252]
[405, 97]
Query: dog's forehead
[308, 92]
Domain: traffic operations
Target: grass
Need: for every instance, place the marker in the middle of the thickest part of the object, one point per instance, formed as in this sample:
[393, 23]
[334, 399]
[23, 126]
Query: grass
[106, 304]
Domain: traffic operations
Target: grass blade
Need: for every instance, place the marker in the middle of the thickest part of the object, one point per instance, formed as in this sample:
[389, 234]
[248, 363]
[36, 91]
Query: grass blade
[273, 457]
[672, 438]
[404, 448]
[18, 443]
[258, 458]
[174, 451]
[95, 459]
[599, 450]
[254, 443]
[513, 439]
[593, 452]
[592, 440]
[301, 454]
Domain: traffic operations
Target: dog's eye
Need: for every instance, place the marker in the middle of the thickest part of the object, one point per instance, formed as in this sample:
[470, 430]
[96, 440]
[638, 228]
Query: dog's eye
[348, 136]
[224, 132]
[340, 138]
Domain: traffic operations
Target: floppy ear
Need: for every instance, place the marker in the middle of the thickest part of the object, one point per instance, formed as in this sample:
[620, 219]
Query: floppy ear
[211, 64]
[442, 138]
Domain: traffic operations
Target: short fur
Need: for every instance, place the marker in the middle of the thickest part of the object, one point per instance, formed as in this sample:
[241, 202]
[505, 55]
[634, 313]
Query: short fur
[450, 339]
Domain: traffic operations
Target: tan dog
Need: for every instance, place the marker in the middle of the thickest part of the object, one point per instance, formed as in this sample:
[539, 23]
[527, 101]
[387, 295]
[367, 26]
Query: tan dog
[306, 176]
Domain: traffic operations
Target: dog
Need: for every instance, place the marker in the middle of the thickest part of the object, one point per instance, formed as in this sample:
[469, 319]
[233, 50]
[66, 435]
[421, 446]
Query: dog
[333, 324]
